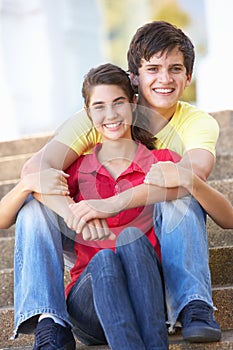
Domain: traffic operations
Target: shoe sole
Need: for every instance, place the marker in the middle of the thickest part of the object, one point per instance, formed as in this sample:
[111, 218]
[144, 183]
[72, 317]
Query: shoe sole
[201, 335]
[70, 346]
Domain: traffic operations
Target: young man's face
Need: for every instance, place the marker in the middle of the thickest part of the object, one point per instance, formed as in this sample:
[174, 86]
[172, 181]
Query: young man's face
[161, 82]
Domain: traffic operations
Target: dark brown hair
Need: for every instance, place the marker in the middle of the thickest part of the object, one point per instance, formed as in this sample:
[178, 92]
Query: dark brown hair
[155, 37]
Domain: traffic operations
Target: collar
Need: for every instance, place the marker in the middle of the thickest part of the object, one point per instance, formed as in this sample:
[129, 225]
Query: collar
[141, 162]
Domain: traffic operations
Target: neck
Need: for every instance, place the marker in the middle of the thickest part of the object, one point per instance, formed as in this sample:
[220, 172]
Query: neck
[123, 149]
[158, 117]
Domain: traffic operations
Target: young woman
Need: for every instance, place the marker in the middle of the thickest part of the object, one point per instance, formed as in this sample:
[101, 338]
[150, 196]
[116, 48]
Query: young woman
[116, 293]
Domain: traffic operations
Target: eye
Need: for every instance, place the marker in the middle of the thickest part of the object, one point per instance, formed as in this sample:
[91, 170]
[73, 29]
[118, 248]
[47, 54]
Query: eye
[153, 69]
[176, 69]
[98, 107]
[118, 103]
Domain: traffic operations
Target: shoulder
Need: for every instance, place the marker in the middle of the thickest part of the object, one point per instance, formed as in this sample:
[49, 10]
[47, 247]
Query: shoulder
[188, 114]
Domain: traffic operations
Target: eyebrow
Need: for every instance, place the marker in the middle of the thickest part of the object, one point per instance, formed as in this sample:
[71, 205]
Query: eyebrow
[115, 100]
[157, 64]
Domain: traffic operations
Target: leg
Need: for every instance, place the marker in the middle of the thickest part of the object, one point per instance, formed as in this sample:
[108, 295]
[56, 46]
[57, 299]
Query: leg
[110, 304]
[181, 228]
[38, 267]
[144, 281]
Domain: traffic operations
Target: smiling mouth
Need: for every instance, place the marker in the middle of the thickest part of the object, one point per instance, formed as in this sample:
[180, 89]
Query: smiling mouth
[112, 125]
[163, 91]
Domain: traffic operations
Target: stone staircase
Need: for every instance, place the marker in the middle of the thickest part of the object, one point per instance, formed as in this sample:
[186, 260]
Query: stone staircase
[12, 156]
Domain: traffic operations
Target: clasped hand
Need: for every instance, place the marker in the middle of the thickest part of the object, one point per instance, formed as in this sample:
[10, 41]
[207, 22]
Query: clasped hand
[85, 219]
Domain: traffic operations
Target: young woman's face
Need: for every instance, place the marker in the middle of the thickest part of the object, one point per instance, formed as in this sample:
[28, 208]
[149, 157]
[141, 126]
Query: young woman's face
[161, 81]
[111, 112]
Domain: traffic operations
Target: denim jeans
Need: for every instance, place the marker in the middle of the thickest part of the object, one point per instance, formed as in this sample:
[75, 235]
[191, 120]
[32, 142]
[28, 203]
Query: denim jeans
[40, 241]
[39, 265]
[118, 299]
[180, 226]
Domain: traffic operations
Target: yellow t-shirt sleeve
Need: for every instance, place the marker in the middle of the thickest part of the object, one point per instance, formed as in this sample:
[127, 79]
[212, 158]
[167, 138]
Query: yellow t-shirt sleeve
[78, 133]
[201, 133]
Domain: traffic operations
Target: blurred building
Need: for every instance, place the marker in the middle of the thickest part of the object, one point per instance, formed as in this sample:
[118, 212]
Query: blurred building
[46, 47]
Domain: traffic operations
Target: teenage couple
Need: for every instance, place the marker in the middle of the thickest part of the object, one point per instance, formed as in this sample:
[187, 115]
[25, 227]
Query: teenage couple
[130, 273]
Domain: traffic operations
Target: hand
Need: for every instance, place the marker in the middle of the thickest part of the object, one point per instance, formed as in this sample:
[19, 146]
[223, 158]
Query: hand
[168, 174]
[86, 210]
[96, 229]
[48, 181]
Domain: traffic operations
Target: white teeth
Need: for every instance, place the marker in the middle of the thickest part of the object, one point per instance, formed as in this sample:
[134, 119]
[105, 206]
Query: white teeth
[113, 125]
[163, 91]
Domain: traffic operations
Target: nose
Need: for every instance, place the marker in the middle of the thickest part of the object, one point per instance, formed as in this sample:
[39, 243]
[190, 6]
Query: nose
[111, 112]
[164, 76]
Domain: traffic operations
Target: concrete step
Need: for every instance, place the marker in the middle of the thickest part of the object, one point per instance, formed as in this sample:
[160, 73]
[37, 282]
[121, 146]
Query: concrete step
[223, 168]
[10, 232]
[6, 186]
[24, 342]
[221, 266]
[10, 167]
[24, 145]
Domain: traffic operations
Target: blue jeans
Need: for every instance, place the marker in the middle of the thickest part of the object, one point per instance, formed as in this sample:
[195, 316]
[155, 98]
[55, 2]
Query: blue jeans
[39, 265]
[118, 299]
[40, 241]
[180, 226]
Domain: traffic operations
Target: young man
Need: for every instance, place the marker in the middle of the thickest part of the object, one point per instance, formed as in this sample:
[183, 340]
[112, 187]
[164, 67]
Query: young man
[160, 61]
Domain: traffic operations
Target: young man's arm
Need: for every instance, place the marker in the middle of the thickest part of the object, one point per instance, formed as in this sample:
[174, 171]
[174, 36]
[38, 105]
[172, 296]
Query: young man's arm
[168, 174]
[200, 161]
[54, 154]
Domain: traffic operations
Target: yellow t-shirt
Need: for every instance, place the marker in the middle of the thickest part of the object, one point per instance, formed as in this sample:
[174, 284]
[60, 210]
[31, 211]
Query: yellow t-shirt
[189, 128]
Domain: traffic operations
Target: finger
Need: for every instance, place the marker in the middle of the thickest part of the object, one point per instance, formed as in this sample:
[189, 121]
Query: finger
[86, 233]
[112, 236]
[65, 174]
[105, 229]
[93, 231]
[101, 229]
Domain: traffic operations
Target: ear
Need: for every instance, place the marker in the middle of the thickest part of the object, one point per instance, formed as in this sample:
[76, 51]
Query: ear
[134, 103]
[87, 111]
[189, 79]
[134, 79]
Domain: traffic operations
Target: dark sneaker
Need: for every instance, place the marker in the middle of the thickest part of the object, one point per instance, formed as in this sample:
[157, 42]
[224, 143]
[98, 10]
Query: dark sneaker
[198, 323]
[50, 336]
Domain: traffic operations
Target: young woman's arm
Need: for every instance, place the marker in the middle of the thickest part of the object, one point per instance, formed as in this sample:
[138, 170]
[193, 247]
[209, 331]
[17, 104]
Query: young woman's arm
[51, 180]
[169, 175]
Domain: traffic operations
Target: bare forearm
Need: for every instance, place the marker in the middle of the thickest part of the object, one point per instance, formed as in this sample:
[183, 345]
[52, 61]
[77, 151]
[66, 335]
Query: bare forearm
[216, 205]
[145, 194]
[45, 159]
[58, 203]
[11, 203]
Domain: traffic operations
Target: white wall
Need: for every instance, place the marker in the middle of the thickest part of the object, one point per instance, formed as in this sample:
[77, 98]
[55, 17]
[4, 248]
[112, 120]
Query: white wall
[46, 46]
[214, 72]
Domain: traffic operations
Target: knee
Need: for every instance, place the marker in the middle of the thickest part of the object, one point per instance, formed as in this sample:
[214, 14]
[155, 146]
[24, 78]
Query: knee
[33, 212]
[106, 263]
[104, 257]
[130, 235]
